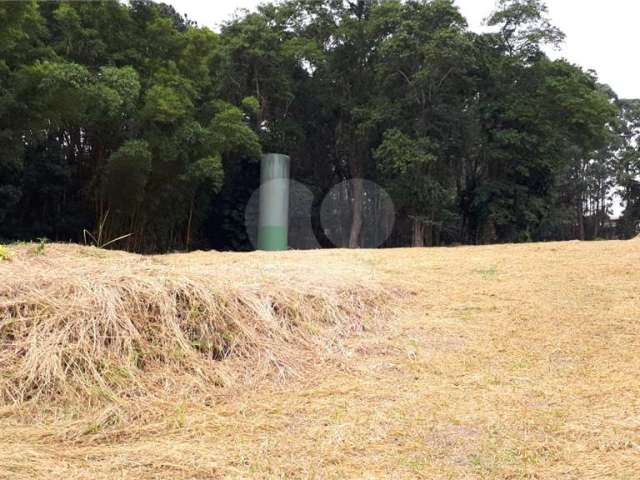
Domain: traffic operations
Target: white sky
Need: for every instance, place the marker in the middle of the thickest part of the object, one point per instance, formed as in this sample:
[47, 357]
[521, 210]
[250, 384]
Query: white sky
[602, 35]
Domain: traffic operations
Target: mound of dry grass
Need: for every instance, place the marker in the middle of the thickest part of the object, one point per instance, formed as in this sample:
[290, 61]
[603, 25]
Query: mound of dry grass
[79, 324]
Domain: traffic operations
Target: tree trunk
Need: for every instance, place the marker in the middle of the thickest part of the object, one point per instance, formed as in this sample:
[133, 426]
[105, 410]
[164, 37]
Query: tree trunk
[357, 198]
[596, 220]
[187, 242]
[100, 207]
[428, 236]
[418, 233]
[580, 215]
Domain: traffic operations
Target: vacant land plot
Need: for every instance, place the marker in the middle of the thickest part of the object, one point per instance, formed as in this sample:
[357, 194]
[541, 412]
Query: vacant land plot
[515, 361]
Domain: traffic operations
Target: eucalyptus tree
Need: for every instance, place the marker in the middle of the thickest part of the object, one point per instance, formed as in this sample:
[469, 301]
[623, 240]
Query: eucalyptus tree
[21, 29]
[538, 120]
[123, 127]
[426, 88]
[628, 166]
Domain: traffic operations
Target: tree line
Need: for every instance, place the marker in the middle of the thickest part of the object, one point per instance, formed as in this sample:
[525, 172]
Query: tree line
[129, 121]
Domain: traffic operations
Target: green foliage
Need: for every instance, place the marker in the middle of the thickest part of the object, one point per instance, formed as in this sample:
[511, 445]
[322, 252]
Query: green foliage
[98, 239]
[55, 92]
[40, 247]
[399, 155]
[206, 173]
[228, 132]
[115, 92]
[21, 27]
[524, 26]
[250, 105]
[164, 104]
[127, 174]
[4, 253]
[126, 120]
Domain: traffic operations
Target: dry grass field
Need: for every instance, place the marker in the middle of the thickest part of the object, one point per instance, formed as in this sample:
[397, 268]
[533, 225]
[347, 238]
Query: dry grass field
[500, 362]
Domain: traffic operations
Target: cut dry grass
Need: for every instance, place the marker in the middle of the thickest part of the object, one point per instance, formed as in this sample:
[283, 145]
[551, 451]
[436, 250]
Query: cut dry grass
[509, 362]
[84, 325]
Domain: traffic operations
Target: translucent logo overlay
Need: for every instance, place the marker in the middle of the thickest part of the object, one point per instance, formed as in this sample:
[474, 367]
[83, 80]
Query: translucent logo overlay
[354, 208]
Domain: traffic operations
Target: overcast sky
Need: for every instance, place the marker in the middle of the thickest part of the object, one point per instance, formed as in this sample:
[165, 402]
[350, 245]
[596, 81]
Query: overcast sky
[601, 34]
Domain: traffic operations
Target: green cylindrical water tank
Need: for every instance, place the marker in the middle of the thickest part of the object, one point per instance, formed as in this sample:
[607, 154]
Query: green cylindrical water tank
[273, 222]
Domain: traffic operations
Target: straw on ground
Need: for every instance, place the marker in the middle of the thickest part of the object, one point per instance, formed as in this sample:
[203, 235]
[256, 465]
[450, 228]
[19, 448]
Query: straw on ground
[477, 362]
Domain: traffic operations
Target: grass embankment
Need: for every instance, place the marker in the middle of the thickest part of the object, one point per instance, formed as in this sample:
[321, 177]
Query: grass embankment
[502, 362]
[86, 325]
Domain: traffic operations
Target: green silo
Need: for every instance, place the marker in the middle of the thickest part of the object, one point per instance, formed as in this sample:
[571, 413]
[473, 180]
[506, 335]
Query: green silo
[273, 223]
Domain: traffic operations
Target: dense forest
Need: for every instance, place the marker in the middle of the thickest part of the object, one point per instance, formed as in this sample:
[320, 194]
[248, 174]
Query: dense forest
[128, 120]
